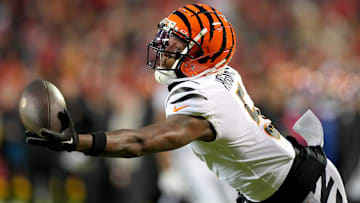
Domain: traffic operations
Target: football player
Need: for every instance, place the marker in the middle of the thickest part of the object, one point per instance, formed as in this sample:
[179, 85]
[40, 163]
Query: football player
[209, 108]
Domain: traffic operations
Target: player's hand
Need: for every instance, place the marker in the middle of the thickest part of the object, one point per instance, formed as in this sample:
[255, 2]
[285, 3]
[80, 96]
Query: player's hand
[67, 139]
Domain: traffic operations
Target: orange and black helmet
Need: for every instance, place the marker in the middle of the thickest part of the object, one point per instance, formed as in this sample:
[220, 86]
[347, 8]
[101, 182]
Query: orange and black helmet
[209, 36]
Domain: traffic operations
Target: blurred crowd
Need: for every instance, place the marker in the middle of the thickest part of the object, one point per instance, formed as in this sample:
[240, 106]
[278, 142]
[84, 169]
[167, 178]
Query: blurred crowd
[292, 55]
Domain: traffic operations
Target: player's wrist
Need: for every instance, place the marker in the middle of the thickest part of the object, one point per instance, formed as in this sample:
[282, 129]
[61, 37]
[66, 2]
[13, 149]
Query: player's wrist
[92, 144]
[85, 142]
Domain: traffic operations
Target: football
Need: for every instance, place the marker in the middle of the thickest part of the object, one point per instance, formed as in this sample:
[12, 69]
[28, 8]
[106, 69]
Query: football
[39, 105]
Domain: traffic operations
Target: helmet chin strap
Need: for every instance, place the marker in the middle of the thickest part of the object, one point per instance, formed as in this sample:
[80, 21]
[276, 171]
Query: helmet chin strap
[168, 77]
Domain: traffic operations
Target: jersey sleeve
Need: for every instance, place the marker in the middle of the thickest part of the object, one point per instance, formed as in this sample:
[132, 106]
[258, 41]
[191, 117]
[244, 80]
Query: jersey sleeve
[187, 98]
[195, 99]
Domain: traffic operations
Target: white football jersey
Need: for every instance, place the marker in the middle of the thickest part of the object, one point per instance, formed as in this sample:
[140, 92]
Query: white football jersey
[248, 153]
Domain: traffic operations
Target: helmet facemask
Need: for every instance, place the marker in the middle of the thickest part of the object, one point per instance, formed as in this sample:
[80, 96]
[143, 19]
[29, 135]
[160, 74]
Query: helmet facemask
[157, 49]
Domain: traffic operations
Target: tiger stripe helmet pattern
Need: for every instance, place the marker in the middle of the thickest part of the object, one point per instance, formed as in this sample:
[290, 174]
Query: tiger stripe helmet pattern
[209, 36]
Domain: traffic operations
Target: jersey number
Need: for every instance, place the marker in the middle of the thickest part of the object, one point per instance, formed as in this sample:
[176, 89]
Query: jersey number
[255, 113]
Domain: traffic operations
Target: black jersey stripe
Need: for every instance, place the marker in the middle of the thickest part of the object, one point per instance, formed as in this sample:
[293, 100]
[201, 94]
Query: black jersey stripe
[188, 96]
[183, 89]
[199, 20]
[325, 188]
[339, 198]
[172, 85]
[185, 20]
[223, 44]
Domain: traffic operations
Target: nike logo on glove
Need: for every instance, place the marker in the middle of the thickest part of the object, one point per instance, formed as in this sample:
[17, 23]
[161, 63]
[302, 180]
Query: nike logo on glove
[71, 141]
[179, 108]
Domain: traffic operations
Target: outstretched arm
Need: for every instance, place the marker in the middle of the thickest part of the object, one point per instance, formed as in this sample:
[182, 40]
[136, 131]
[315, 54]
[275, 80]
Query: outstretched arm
[175, 132]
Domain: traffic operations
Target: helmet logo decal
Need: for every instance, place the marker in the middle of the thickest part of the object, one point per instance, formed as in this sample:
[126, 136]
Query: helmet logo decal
[184, 32]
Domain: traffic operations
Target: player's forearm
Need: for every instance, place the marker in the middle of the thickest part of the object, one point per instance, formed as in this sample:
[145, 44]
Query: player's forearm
[120, 143]
[158, 137]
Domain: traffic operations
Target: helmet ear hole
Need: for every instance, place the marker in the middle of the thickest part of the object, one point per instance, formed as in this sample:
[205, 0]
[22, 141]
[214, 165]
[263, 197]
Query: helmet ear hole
[196, 52]
[199, 53]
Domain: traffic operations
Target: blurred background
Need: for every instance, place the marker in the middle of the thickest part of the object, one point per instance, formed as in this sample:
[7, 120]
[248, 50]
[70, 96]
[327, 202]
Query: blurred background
[292, 55]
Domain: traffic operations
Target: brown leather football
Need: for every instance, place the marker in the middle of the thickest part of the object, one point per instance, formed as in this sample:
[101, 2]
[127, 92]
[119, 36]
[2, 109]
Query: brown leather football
[39, 106]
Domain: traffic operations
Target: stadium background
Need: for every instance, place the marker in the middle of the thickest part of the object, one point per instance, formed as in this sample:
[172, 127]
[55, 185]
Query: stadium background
[293, 55]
